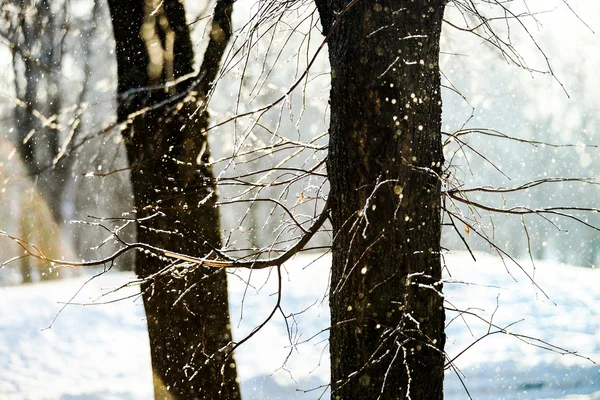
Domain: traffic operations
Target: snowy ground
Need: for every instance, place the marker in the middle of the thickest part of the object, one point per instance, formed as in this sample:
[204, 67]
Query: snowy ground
[101, 351]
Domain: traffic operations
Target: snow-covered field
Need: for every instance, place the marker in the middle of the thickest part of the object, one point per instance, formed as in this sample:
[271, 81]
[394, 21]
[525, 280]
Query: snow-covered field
[101, 351]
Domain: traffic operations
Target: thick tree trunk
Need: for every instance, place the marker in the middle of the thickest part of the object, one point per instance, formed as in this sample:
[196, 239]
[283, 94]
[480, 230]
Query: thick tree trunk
[384, 165]
[187, 308]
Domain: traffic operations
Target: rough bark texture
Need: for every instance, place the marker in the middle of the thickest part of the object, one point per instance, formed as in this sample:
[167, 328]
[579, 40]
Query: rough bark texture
[187, 310]
[384, 162]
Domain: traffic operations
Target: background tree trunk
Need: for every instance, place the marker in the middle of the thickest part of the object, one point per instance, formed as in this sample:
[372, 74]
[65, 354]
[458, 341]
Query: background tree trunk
[384, 164]
[187, 309]
[37, 145]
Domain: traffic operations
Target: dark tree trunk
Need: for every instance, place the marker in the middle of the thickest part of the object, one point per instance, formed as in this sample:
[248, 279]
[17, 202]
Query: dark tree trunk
[53, 182]
[26, 124]
[187, 308]
[384, 165]
[37, 144]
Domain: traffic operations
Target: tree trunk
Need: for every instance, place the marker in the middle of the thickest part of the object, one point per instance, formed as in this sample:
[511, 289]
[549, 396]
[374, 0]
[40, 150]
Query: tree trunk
[187, 308]
[384, 164]
[35, 143]
[26, 124]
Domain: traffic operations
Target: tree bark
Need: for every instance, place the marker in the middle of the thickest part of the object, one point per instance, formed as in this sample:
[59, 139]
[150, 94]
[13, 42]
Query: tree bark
[384, 164]
[187, 308]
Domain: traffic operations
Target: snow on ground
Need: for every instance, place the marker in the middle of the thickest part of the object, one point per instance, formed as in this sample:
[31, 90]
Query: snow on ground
[101, 351]
[502, 366]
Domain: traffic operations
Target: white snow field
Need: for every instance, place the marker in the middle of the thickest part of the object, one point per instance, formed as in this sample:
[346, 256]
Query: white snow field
[101, 351]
